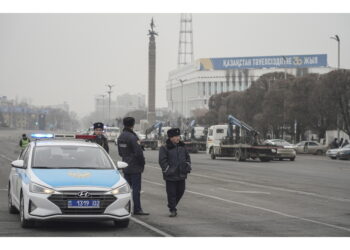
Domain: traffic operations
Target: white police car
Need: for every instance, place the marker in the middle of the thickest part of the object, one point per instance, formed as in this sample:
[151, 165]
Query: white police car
[67, 180]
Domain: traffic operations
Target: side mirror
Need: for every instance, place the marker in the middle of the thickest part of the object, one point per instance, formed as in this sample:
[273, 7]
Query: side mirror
[121, 164]
[17, 164]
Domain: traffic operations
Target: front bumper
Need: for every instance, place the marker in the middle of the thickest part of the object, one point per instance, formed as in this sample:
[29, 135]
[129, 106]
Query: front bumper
[54, 207]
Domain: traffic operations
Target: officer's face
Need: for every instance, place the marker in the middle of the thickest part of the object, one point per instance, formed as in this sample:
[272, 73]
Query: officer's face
[175, 139]
[98, 131]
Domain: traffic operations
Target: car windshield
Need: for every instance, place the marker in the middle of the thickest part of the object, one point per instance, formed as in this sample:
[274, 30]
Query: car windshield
[347, 146]
[70, 157]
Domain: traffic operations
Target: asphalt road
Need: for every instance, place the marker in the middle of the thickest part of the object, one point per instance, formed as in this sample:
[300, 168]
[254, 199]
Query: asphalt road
[307, 197]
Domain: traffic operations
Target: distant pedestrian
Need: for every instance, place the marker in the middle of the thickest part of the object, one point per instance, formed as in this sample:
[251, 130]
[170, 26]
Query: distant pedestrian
[340, 144]
[346, 142]
[175, 163]
[334, 143]
[100, 138]
[23, 143]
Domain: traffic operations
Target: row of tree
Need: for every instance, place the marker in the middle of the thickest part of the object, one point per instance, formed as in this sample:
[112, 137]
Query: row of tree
[279, 104]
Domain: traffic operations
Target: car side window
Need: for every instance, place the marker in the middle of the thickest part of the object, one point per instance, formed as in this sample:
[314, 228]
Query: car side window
[312, 144]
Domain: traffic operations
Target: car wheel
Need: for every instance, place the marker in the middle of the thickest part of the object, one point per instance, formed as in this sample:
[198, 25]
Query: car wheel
[292, 159]
[212, 155]
[319, 152]
[24, 222]
[280, 159]
[333, 158]
[121, 223]
[12, 209]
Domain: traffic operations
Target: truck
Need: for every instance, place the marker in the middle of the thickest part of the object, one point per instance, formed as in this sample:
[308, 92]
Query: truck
[195, 138]
[239, 140]
[152, 141]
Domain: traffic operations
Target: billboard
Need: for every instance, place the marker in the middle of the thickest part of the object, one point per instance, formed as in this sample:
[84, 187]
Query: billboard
[285, 61]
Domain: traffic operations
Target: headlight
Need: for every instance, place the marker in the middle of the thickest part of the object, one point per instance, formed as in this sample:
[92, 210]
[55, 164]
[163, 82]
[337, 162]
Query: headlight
[122, 189]
[273, 150]
[35, 188]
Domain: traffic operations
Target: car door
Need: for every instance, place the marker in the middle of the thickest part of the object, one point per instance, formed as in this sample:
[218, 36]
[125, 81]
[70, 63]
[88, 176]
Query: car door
[15, 178]
[21, 173]
[300, 147]
[313, 147]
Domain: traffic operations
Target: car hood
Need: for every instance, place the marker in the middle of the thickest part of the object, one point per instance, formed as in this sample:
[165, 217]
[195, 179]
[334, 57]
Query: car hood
[78, 177]
[334, 150]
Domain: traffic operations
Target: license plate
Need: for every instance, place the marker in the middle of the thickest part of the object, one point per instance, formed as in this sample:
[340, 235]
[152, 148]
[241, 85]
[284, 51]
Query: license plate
[83, 204]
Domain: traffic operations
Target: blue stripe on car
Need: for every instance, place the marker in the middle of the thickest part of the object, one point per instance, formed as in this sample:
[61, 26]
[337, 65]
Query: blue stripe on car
[78, 177]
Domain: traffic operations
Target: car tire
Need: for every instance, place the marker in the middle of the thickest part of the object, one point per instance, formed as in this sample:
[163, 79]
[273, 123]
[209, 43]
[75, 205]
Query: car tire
[333, 158]
[12, 209]
[280, 159]
[212, 155]
[24, 222]
[292, 159]
[121, 223]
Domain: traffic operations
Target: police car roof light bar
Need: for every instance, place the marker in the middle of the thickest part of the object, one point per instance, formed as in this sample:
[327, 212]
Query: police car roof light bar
[85, 137]
[42, 136]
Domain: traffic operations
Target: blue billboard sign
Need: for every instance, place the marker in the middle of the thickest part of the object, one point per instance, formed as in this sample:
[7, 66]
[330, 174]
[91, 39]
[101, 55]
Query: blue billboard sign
[288, 61]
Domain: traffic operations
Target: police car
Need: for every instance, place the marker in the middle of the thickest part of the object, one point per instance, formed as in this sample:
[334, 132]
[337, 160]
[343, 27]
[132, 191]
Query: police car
[67, 180]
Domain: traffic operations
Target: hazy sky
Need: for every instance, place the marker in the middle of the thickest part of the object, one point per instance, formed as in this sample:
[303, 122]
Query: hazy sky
[52, 58]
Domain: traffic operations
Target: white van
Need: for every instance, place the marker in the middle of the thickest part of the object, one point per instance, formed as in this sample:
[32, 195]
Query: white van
[215, 134]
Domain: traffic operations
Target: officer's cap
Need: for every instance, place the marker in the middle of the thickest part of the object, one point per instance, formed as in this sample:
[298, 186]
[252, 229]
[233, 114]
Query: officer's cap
[173, 132]
[98, 125]
[129, 122]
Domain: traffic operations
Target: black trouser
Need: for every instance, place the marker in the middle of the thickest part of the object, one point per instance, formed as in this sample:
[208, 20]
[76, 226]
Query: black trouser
[174, 190]
[134, 181]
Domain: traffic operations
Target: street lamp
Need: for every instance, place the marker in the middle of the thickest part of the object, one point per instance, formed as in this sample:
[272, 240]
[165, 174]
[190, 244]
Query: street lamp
[336, 37]
[103, 107]
[109, 101]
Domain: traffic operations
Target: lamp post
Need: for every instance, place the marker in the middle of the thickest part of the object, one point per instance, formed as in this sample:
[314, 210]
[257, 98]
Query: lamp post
[336, 37]
[182, 101]
[103, 107]
[109, 101]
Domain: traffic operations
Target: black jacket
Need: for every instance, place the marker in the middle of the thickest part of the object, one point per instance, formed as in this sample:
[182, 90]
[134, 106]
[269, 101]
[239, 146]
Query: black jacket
[174, 160]
[102, 141]
[131, 152]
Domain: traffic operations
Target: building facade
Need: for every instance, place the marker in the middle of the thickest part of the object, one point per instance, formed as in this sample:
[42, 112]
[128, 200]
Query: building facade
[190, 87]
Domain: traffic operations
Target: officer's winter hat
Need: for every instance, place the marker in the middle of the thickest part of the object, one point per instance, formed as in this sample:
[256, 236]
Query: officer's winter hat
[173, 132]
[98, 125]
[129, 122]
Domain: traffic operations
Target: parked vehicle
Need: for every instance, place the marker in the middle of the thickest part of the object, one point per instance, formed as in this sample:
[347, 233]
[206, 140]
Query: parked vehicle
[310, 147]
[285, 150]
[344, 153]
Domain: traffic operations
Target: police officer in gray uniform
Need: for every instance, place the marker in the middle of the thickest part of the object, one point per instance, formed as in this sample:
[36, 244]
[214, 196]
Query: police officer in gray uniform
[100, 138]
[130, 150]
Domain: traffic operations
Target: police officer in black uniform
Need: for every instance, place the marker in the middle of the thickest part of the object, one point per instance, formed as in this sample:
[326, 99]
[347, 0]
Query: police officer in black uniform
[100, 138]
[175, 163]
[130, 150]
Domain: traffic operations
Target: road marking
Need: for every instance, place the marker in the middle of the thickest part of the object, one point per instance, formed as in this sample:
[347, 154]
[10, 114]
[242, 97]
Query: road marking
[269, 187]
[245, 192]
[259, 208]
[151, 227]
[5, 157]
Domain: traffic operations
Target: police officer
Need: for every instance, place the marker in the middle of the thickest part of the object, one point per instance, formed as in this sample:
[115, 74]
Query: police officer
[24, 141]
[130, 150]
[175, 163]
[100, 138]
